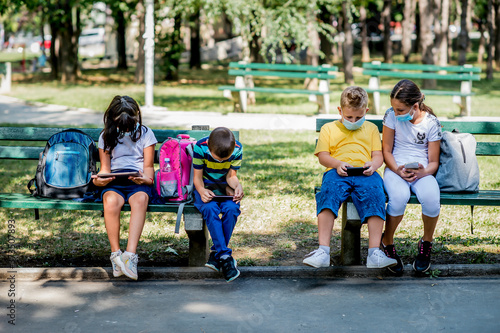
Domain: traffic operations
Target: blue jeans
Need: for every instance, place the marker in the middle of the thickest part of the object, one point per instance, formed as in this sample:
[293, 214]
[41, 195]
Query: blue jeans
[367, 193]
[220, 229]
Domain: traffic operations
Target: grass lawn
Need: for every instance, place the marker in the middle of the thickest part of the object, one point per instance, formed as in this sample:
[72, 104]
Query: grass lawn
[278, 221]
[196, 90]
[277, 225]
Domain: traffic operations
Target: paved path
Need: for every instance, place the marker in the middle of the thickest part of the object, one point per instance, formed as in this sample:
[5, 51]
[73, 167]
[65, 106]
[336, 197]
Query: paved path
[257, 305]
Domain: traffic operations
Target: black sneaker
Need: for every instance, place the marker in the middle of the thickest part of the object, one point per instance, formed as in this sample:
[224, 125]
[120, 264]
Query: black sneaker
[229, 268]
[213, 263]
[390, 251]
[422, 262]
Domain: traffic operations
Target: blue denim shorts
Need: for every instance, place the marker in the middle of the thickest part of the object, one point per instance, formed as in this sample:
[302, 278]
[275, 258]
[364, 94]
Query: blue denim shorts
[126, 188]
[367, 194]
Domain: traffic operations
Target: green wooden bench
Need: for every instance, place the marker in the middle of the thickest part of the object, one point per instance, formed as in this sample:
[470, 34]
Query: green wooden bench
[238, 92]
[351, 224]
[6, 76]
[193, 221]
[463, 74]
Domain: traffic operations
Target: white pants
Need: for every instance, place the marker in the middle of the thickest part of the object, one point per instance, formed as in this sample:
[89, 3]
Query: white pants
[426, 189]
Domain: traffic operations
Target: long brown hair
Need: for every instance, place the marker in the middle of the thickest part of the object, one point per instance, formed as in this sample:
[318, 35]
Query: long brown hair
[407, 92]
[123, 115]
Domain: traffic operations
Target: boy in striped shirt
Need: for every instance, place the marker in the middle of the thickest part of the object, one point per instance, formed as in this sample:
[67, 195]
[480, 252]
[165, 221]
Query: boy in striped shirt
[217, 158]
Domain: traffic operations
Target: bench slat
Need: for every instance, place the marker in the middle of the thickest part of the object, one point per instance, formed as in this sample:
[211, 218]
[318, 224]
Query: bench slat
[421, 67]
[43, 134]
[295, 75]
[19, 200]
[20, 153]
[426, 92]
[284, 67]
[476, 127]
[424, 75]
[275, 90]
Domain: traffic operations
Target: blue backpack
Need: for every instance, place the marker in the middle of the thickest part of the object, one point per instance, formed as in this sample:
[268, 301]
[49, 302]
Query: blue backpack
[65, 166]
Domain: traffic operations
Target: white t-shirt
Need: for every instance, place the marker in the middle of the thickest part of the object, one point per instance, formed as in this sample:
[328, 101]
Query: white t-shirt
[129, 154]
[411, 142]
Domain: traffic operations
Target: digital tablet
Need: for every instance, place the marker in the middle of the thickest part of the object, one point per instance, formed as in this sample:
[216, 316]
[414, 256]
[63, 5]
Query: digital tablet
[222, 197]
[356, 171]
[119, 174]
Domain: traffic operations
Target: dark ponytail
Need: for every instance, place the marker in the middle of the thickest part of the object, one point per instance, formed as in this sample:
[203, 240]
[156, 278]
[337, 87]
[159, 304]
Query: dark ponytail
[407, 92]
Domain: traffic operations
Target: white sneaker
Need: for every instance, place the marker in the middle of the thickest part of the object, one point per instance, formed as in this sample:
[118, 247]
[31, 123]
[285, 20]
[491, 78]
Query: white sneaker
[128, 265]
[378, 259]
[317, 258]
[115, 263]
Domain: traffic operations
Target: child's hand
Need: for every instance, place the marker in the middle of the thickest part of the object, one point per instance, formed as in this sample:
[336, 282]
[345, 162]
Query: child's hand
[342, 169]
[141, 179]
[98, 181]
[407, 174]
[418, 173]
[238, 193]
[206, 195]
[370, 170]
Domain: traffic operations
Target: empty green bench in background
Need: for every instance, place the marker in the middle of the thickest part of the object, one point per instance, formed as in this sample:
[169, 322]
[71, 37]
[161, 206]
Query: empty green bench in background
[238, 92]
[463, 74]
[351, 224]
[193, 221]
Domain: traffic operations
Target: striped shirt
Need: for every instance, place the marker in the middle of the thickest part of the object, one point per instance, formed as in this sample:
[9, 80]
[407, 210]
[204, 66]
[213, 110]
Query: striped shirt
[214, 172]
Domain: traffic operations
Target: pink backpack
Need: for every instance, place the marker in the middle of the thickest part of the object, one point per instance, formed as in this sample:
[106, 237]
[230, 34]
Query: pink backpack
[176, 185]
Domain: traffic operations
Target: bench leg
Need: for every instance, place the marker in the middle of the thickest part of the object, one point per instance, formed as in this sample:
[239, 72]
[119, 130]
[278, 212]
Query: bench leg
[350, 248]
[374, 83]
[198, 239]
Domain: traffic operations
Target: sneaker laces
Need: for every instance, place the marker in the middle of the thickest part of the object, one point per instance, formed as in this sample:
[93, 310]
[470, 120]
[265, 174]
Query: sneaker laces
[390, 251]
[425, 249]
[315, 253]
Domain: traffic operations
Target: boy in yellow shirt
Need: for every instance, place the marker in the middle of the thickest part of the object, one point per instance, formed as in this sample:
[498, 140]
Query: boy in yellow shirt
[350, 142]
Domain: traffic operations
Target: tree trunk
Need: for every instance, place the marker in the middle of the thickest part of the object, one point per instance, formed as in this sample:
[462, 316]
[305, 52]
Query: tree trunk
[326, 45]
[139, 70]
[172, 73]
[121, 48]
[496, 6]
[68, 51]
[463, 37]
[482, 42]
[348, 44]
[489, 18]
[407, 25]
[312, 52]
[54, 50]
[386, 20]
[426, 38]
[441, 28]
[365, 50]
[195, 59]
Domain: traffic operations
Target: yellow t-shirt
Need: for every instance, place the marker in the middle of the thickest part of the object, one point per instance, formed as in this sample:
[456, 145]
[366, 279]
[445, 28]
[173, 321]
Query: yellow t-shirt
[353, 147]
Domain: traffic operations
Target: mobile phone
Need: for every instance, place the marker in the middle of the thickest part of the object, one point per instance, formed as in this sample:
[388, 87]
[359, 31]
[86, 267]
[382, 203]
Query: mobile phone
[355, 171]
[119, 174]
[412, 165]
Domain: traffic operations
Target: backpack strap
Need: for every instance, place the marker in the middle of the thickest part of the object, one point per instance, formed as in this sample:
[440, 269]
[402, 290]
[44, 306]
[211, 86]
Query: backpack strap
[30, 183]
[179, 215]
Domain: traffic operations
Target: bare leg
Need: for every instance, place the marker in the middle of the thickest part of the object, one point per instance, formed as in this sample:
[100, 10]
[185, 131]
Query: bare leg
[325, 226]
[113, 203]
[429, 227]
[375, 226]
[391, 224]
[138, 205]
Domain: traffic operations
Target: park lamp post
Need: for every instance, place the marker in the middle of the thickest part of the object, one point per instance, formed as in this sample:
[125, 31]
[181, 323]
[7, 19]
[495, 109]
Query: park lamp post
[149, 54]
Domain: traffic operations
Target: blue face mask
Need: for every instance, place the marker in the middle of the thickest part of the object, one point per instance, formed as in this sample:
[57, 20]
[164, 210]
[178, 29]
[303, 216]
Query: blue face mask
[353, 126]
[406, 117]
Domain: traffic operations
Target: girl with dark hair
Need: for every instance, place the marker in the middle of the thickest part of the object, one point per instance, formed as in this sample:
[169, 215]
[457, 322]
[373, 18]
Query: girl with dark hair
[411, 145]
[125, 146]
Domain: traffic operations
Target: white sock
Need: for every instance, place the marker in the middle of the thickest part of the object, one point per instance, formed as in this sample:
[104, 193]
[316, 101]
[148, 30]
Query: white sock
[371, 250]
[117, 252]
[129, 254]
[325, 248]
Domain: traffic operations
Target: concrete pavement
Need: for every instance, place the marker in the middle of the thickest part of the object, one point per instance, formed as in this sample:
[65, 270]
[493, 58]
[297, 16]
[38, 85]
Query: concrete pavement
[256, 305]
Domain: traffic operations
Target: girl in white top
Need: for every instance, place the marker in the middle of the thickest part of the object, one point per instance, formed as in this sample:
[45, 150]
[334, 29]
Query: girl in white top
[125, 145]
[411, 135]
